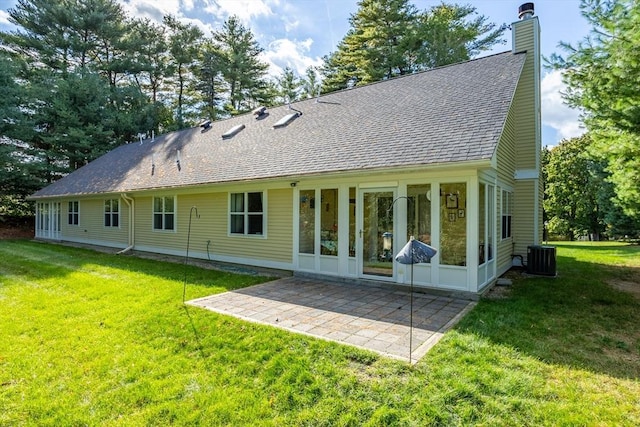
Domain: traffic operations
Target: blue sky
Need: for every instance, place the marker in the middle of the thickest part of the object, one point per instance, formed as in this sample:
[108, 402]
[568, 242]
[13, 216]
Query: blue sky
[297, 33]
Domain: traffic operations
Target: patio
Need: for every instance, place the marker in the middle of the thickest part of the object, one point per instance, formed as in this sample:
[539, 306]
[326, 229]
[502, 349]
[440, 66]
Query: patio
[375, 318]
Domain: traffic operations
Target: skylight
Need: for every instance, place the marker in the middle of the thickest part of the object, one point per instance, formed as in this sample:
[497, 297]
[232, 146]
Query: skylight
[285, 120]
[231, 132]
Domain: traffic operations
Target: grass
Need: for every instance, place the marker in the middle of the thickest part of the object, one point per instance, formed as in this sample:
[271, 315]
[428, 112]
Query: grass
[95, 339]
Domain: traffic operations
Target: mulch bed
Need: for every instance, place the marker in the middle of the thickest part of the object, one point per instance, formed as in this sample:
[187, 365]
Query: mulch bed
[16, 231]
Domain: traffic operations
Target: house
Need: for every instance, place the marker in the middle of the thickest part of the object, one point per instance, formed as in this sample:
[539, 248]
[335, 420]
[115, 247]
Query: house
[336, 185]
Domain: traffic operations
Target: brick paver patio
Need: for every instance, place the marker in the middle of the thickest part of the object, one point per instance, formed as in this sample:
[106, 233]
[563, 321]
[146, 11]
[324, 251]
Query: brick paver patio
[370, 317]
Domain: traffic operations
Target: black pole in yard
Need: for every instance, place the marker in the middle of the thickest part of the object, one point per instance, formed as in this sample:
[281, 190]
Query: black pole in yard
[186, 258]
[411, 308]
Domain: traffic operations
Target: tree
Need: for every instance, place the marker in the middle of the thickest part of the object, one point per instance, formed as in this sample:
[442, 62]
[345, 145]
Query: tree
[149, 65]
[574, 190]
[210, 82]
[451, 33]
[310, 82]
[602, 74]
[389, 38]
[242, 68]
[18, 169]
[184, 46]
[375, 47]
[75, 103]
[289, 86]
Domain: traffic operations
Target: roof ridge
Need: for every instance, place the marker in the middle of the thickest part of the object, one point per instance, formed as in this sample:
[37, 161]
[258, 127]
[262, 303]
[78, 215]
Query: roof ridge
[394, 78]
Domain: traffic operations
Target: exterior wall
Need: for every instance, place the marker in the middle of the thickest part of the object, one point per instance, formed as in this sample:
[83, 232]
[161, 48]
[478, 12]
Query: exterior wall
[524, 208]
[90, 228]
[210, 237]
[277, 246]
[506, 165]
[527, 214]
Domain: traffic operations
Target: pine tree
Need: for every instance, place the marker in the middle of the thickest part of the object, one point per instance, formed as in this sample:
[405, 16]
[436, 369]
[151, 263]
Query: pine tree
[289, 86]
[243, 70]
[389, 38]
[184, 47]
[602, 74]
[210, 83]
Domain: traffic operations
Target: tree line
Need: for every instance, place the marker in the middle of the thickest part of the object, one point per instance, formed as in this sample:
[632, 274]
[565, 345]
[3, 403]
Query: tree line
[580, 195]
[79, 77]
[593, 182]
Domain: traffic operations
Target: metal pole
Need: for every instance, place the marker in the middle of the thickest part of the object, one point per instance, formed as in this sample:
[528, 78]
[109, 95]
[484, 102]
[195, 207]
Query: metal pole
[186, 258]
[411, 307]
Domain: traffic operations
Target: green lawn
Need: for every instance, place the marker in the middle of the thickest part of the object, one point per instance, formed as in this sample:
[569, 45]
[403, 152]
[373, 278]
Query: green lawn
[88, 338]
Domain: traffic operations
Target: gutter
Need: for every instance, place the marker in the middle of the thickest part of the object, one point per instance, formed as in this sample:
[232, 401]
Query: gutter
[132, 210]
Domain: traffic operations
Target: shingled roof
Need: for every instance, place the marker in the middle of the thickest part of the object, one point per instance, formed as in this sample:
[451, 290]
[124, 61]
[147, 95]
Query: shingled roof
[449, 114]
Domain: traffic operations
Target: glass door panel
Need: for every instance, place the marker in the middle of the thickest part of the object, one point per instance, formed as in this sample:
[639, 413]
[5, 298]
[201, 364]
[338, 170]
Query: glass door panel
[377, 233]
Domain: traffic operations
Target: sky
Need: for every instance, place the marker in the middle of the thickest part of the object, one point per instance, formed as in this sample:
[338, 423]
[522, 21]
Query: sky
[298, 33]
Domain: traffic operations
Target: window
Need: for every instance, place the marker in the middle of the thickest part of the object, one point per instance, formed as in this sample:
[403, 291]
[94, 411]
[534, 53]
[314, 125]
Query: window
[74, 213]
[329, 222]
[419, 212]
[507, 210]
[453, 223]
[307, 238]
[111, 213]
[164, 213]
[246, 215]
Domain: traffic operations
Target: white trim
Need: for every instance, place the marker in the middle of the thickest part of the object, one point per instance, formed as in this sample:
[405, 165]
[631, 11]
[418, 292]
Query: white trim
[70, 212]
[377, 185]
[526, 174]
[131, 203]
[360, 237]
[48, 225]
[472, 232]
[153, 215]
[104, 243]
[111, 199]
[245, 215]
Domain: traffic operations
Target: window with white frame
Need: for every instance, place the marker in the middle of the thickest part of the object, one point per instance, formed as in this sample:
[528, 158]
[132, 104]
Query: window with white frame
[246, 213]
[507, 212]
[164, 212]
[74, 212]
[112, 213]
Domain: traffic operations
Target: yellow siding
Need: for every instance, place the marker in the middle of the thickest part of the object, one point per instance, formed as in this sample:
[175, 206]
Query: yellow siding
[505, 247]
[523, 215]
[506, 166]
[506, 152]
[522, 128]
[91, 227]
[211, 228]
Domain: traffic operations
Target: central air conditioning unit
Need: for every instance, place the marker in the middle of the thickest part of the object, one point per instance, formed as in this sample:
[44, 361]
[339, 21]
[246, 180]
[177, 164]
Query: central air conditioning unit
[541, 260]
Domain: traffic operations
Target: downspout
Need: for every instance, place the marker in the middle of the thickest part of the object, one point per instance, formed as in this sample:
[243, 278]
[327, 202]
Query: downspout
[132, 210]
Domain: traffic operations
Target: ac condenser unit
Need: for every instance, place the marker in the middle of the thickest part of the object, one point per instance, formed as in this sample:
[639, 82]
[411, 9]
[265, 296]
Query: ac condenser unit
[541, 260]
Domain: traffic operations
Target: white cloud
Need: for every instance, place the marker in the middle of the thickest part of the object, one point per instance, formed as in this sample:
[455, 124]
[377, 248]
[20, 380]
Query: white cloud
[152, 9]
[290, 24]
[555, 114]
[156, 10]
[245, 10]
[4, 18]
[283, 53]
[187, 5]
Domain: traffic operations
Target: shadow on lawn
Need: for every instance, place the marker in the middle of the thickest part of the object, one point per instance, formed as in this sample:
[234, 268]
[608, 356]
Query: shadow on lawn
[39, 260]
[577, 319]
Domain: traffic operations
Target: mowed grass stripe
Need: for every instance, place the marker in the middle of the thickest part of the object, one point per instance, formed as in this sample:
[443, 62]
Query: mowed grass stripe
[88, 338]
